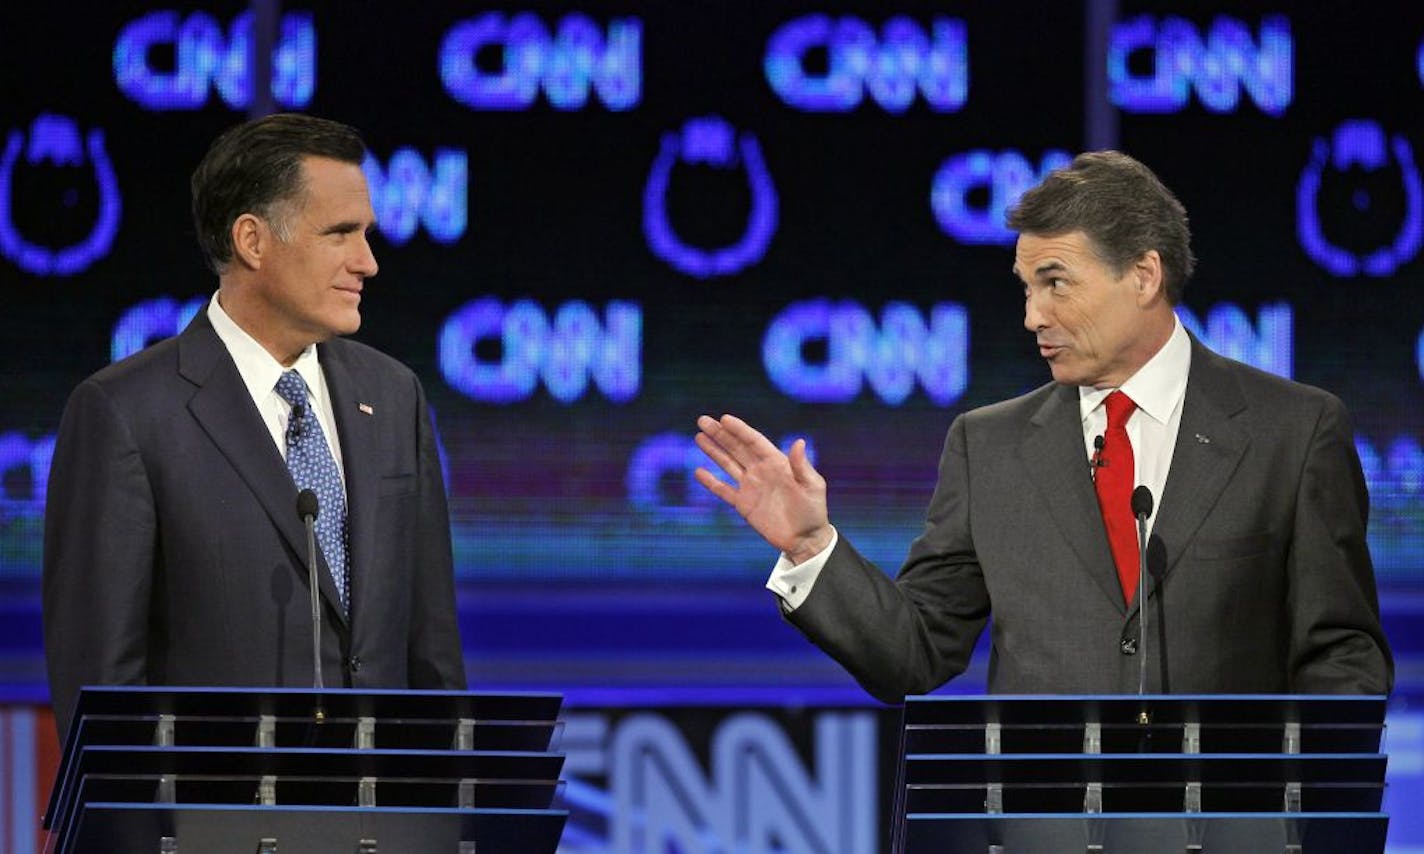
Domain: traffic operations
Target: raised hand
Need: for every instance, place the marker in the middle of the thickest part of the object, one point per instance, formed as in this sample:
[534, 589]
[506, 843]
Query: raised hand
[782, 497]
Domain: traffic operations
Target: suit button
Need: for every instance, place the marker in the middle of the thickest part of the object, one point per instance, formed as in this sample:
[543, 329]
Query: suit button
[1128, 646]
[354, 664]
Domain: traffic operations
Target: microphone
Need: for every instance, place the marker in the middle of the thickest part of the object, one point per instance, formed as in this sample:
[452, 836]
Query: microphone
[307, 505]
[1142, 508]
[1097, 461]
[307, 509]
[1142, 503]
[294, 432]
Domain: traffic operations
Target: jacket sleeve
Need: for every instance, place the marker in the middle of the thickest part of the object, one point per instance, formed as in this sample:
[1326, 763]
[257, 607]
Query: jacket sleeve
[912, 634]
[436, 657]
[98, 553]
[1337, 645]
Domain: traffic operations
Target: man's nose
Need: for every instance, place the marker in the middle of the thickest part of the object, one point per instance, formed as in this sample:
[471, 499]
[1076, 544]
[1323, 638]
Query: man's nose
[1035, 318]
[365, 261]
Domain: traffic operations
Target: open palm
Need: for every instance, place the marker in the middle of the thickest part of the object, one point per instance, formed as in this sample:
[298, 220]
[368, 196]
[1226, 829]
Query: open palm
[781, 496]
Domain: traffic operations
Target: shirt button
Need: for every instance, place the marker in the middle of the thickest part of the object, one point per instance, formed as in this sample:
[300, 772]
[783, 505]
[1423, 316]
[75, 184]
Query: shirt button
[793, 588]
[1128, 646]
[354, 664]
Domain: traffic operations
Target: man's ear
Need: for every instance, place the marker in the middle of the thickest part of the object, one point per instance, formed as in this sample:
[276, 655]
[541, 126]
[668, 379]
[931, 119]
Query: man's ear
[250, 239]
[1148, 278]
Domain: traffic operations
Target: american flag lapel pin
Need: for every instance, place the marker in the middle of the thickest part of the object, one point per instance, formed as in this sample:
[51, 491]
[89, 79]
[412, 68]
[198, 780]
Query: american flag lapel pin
[366, 408]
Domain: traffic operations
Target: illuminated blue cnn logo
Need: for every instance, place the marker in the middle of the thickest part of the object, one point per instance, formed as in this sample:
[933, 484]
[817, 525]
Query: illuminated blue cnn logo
[205, 56]
[902, 61]
[1419, 354]
[24, 472]
[149, 322]
[576, 58]
[1217, 67]
[408, 193]
[762, 791]
[1267, 344]
[495, 353]
[1396, 475]
[1005, 175]
[661, 481]
[895, 355]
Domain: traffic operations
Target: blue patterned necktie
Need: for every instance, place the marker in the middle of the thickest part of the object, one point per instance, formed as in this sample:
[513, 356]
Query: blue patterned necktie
[313, 467]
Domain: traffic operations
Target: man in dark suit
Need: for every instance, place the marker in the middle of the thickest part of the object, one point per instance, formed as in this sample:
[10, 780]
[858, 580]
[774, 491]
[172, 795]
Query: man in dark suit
[174, 553]
[1256, 552]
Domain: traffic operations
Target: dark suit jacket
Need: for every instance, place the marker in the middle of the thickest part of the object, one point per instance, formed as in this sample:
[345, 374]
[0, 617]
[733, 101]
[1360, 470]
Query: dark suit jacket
[173, 550]
[1268, 583]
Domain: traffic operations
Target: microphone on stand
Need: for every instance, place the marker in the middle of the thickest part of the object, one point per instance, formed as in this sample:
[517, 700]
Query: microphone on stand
[1142, 508]
[307, 509]
[1157, 564]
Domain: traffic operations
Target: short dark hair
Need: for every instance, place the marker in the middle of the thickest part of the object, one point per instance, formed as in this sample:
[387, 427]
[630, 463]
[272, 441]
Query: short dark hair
[255, 168]
[1122, 207]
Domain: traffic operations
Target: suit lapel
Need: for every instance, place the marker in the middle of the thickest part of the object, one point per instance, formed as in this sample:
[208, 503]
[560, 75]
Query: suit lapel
[224, 409]
[1209, 448]
[1058, 465]
[359, 451]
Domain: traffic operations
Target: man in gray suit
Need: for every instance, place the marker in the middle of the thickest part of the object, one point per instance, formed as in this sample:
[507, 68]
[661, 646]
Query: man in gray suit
[1256, 552]
[174, 553]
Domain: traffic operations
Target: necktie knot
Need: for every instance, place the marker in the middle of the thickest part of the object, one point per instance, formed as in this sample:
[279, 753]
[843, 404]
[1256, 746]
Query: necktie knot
[1120, 408]
[292, 388]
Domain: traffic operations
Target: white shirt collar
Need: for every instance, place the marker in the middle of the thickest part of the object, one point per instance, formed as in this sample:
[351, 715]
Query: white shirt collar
[259, 370]
[1158, 386]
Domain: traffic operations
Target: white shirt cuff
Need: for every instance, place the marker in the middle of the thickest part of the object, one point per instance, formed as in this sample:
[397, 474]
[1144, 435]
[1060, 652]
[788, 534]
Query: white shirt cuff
[792, 583]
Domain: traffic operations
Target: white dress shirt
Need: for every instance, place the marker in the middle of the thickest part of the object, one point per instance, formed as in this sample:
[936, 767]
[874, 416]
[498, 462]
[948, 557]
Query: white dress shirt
[1158, 388]
[260, 372]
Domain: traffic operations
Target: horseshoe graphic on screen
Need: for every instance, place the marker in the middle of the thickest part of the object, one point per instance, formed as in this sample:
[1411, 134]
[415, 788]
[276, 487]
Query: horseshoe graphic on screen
[56, 139]
[1362, 143]
[710, 141]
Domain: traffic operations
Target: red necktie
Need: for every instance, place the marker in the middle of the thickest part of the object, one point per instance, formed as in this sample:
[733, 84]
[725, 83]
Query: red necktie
[1113, 480]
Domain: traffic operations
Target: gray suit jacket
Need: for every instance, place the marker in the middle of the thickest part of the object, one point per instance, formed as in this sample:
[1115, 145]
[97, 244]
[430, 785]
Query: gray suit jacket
[173, 550]
[1268, 584]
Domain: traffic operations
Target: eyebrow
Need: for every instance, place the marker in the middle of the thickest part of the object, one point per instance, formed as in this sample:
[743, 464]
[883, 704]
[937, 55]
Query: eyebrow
[1043, 269]
[345, 227]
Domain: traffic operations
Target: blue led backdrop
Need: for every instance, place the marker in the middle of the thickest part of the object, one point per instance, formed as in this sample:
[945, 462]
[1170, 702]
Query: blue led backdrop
[598, 221]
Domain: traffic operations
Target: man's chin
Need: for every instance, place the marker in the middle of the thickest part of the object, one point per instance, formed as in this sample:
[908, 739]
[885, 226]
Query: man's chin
[1063, 375]
[337, 330]
[348, 325]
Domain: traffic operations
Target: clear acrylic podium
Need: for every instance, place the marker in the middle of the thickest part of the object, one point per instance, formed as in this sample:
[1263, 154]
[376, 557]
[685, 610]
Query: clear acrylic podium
[272, 771]
[1141, 775]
